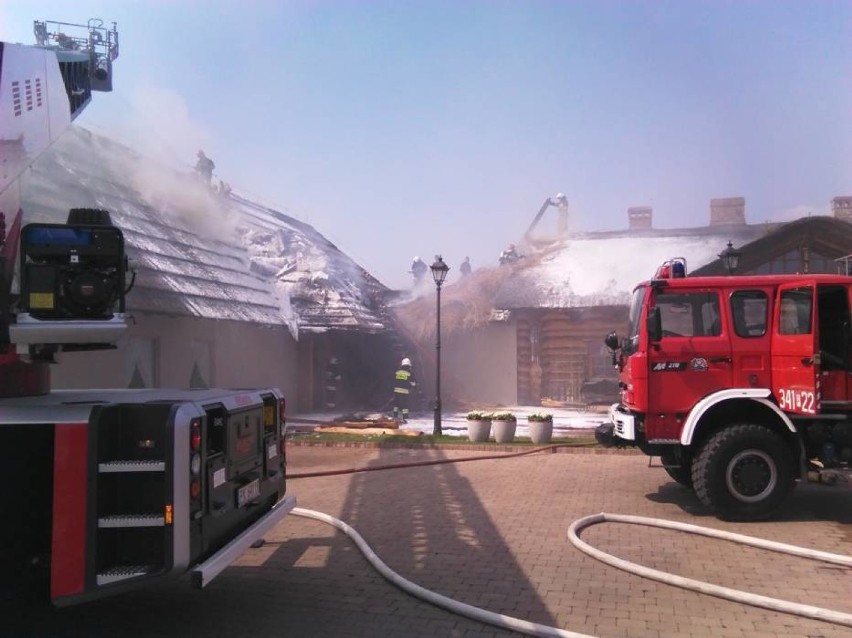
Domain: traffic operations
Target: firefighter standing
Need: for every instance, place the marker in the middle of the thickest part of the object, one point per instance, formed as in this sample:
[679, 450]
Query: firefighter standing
[510, 255]
[418, 269]
[332, 382]
[204, 166]
[404, 384]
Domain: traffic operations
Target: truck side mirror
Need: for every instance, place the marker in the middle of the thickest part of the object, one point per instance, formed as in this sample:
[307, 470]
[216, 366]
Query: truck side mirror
[654, 324]
[611, 341]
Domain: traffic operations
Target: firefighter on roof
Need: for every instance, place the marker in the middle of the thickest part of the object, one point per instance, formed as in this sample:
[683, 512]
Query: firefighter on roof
[404, 384]
[418, 269]
[510, 255]
[204, 166]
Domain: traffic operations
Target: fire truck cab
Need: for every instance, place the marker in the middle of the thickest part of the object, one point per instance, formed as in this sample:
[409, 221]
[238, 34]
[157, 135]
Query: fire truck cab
[741, 384]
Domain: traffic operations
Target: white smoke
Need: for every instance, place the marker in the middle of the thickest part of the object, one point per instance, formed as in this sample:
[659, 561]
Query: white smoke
[158, 126]
[157, 123]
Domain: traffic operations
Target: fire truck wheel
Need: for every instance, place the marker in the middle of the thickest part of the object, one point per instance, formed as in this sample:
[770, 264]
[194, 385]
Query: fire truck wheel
[679, 469]
[743, 472]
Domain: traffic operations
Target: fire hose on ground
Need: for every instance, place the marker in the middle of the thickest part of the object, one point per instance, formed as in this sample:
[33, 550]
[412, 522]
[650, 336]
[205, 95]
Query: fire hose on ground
[536, 629]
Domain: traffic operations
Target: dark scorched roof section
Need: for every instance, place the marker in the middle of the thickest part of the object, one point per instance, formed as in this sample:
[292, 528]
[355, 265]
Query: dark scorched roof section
[829, 236]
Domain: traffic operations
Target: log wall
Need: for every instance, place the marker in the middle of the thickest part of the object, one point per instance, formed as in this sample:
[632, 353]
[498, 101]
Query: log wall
[558, 350]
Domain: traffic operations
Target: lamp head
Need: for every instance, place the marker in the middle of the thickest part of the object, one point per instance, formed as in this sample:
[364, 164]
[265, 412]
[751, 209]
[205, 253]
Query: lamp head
[439, 270]
[730, 258]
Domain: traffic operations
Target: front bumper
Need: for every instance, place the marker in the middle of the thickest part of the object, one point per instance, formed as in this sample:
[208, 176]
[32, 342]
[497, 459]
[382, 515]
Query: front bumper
[213, 566]
[619, 430]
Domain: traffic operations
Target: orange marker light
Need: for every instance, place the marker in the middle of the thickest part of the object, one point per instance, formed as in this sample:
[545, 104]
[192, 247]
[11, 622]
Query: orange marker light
[169, 515]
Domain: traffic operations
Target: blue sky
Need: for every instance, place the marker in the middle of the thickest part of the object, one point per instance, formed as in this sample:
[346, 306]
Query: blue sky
[406, 128]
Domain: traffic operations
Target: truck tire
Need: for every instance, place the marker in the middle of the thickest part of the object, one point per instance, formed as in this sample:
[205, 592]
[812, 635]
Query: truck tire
[680, 469]
[744, 472]
[89, 217]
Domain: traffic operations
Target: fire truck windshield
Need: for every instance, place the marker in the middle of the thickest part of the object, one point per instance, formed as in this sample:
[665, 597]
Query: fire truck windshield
[631, 342]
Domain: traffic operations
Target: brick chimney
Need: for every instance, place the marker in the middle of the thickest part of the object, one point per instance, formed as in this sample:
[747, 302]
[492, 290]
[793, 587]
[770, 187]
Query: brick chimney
[640, 217]
[727, 210]
[841, 208]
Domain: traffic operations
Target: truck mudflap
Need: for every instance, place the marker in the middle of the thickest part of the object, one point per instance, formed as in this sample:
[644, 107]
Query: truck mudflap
[204, 573]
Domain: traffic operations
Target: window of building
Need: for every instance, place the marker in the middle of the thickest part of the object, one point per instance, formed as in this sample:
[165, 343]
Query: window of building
[819, 263]
[600, 361]
[141, 362]
[201, 374]
[798, 260]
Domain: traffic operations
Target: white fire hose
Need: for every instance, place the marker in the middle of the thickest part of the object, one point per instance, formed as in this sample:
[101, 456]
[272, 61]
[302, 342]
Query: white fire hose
[483, 615]
[755, 600]
[536, 629]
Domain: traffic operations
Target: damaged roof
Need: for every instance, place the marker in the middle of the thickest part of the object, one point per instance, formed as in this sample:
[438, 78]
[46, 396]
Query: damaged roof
[326, 288]
[602, 268]
[199, 253]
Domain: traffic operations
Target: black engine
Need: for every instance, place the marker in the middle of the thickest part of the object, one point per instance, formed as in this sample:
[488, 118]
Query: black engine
[72, 271]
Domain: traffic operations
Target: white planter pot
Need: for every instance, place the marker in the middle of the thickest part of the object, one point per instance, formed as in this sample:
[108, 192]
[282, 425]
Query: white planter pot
[478, 431]
[541, 431]
[504, 431]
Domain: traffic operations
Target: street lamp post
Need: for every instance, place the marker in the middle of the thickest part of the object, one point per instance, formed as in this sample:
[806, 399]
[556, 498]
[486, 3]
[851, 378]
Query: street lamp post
[730, 258]
[439, 273]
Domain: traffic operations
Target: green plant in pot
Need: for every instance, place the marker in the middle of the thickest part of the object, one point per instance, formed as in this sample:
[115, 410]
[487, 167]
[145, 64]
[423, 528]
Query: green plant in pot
[503, 425]
[478, 426]
[540, 426]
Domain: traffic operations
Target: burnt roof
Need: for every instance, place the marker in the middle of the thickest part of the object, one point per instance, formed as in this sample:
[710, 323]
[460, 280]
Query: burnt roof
[201, 254]
[602, 268]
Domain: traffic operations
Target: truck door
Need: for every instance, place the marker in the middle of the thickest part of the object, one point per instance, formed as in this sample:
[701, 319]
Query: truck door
[834, 345]
[795, 360]
[691, 360]
[751, 336]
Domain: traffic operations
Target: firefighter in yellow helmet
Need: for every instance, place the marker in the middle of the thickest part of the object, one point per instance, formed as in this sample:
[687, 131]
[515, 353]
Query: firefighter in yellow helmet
[404, 384]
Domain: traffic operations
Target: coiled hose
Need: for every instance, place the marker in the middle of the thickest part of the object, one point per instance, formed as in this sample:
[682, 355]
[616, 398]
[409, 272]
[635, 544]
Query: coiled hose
[755, 600]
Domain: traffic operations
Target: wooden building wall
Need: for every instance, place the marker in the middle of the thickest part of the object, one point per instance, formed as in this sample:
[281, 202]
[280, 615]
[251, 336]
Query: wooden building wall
[559, 350]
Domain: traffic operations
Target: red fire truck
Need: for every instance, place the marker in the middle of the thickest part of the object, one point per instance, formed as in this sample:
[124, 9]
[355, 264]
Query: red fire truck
[105, 490]
[741, 384]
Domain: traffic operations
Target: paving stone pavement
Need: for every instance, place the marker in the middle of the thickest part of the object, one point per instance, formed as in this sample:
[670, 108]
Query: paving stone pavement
[491, 533]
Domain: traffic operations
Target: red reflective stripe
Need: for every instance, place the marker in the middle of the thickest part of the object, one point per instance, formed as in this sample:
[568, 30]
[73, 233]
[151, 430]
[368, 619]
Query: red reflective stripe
[68, 561]
[21, 379]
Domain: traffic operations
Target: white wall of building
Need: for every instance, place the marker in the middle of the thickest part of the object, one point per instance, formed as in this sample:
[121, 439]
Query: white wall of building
[480, 367]
[183, 352]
